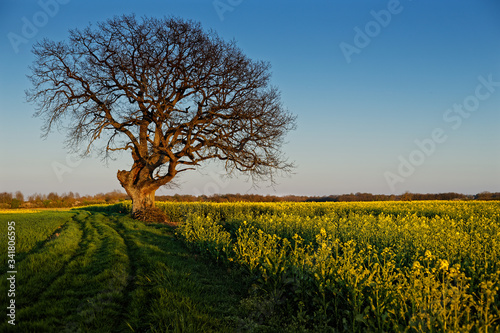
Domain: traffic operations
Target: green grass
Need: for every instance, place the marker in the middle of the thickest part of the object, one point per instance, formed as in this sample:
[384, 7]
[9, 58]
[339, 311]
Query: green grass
[32, 230]
[84, 271]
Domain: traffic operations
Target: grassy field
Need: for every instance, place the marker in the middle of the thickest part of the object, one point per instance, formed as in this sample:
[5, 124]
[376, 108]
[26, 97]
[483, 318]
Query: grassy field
[102, 272]
[255, 267]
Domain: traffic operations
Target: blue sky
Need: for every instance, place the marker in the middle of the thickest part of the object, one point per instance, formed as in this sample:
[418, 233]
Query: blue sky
[391, 96]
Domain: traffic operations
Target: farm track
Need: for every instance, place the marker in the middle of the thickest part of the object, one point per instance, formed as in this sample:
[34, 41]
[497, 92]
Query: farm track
[131, 249]
[101, 249]
[48, 291]
[42, 267]
[105, 272]
[65, 272]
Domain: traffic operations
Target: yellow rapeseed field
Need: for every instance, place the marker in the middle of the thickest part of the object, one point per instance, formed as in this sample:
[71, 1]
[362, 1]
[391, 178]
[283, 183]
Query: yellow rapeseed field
[376, 266]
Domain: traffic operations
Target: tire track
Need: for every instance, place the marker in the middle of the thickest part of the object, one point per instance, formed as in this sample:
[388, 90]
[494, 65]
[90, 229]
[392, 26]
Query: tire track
[108, 270]
[35, 298]
[131, 251]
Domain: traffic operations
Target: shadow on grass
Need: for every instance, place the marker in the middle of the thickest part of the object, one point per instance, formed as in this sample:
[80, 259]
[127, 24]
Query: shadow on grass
[119, 208]
[173, 289]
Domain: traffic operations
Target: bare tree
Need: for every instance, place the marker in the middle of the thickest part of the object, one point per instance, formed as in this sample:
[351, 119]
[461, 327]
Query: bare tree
[20, 196]
[171, 93]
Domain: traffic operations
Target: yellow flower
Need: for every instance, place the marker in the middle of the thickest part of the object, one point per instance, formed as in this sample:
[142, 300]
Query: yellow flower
[443, 264]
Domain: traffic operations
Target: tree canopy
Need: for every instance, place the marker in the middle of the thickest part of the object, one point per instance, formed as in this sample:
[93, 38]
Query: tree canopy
[165, 90]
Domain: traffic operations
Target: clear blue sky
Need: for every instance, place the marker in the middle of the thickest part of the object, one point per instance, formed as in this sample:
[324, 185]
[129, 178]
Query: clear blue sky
[391, 96]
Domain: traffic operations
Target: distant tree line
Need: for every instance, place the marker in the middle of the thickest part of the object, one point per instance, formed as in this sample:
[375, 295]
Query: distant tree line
[407, 196]
[232, 198]
[54, 200]
[71, 199]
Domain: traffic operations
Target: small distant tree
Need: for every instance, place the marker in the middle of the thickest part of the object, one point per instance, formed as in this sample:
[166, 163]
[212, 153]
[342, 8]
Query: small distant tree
[407, 196]
[19, 196]
[5, 198]
[15, 203]
[53, 196]
[168, 92]
[68, 199]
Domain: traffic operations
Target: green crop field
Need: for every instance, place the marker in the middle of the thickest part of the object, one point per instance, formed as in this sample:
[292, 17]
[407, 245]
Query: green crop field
[258, 267]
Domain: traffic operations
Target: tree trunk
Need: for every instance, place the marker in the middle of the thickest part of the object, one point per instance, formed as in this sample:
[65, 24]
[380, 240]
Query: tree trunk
[139, 187]
[142, 199]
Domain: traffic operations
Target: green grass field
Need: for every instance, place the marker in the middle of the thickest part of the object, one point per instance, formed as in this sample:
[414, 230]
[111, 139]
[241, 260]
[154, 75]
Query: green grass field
[258, 267]
[83, 271]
